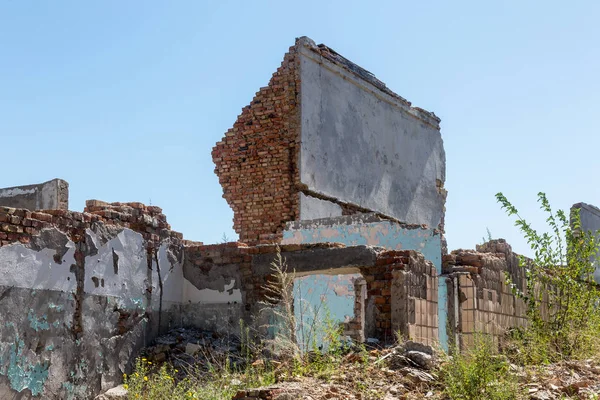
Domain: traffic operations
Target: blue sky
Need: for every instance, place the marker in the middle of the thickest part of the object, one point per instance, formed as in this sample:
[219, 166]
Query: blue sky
[125, 99]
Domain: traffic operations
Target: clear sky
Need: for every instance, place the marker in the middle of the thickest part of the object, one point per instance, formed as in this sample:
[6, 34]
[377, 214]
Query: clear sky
[125, 99]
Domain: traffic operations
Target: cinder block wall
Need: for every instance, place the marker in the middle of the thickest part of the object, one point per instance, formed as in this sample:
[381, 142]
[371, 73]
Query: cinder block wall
[414, 301]
[484, 302]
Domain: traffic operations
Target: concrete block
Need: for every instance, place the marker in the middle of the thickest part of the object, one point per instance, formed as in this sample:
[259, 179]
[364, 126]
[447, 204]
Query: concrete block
[51, 195]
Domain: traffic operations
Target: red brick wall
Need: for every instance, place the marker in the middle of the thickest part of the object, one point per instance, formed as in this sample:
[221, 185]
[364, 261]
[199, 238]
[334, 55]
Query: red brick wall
[19, 225]
[256, 159]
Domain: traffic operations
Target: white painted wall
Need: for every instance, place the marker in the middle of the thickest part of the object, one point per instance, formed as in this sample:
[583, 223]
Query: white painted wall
[26, 268]
[129, 284]
[192, 294]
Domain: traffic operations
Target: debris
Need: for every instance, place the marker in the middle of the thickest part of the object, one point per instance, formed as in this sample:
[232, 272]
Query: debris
[407, 371]
[116, 393]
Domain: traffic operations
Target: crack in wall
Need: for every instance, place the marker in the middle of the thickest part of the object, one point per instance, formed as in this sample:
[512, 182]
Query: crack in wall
[115, 262]
[5, 293]
[78, 269]
[160, 288]
[350, 208]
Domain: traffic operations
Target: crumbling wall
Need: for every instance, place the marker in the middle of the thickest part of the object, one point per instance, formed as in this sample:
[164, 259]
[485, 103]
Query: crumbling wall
[51, 195]
[214, 292]
[80, 294]
[372, 230]
[481, 299]
[414, 301]
[256, 160]
[324, 139]
[362, 144]
[367, 229]
[249, 268]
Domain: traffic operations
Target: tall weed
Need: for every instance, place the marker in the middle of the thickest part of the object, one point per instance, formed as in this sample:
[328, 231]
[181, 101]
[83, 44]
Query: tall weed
[479, 372]
[561, 295]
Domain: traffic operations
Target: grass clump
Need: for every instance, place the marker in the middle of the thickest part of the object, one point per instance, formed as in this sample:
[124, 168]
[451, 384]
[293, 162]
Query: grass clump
[160, 383]
[479, 373]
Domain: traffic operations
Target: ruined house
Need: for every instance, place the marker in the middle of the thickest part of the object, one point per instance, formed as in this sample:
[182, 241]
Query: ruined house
[328, 165]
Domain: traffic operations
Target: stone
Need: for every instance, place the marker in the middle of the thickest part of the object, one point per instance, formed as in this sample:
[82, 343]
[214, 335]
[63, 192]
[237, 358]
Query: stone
[191, 348]
[410, 345]
[422, 360]
[115, 393]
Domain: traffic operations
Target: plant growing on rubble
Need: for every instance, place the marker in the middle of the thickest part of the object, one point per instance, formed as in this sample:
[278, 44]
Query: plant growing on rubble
[149, 382]
[319, 348]
[280, 303]
[479, 373]
[560, 292]
[489, 236]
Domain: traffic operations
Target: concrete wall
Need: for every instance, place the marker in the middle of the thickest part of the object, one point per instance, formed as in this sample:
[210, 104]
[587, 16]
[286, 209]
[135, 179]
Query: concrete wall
[363, 146]
[368, 229]
[590, 221]
[51, 195]
[212, 289]
[79, 299]
[314, 208]
[74, 315]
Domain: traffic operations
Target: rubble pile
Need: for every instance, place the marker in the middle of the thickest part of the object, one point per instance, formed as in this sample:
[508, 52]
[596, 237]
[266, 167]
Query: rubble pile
[400, 372]
[186, 348]
[568, 379]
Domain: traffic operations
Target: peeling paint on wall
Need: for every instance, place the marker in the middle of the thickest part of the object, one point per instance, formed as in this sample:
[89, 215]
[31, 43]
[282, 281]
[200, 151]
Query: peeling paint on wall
[127, 284]
[20, 371]
[320, 300]
[38, 323]
[210, 296]
[26, 268]
[386, 234]
[41, 292]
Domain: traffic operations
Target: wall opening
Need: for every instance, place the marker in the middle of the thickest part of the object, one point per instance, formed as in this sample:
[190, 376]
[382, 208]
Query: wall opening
[326, 301]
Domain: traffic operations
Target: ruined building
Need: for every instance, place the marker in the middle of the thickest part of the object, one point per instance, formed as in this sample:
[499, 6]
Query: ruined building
[327, 164]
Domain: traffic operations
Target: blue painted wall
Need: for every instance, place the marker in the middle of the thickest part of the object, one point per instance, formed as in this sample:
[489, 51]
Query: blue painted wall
[386, 234]
[321, 302]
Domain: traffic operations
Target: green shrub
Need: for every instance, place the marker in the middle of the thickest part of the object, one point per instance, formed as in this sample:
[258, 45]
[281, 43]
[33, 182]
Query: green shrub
[479, 373]
[561, 295]
[149, 383]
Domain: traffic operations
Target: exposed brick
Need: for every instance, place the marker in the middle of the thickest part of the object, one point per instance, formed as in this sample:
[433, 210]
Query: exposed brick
[256, 159]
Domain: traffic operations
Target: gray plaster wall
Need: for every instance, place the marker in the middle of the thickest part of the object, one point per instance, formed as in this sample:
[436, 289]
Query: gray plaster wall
[51, 195]
[75, 315]
[590, 221]
[362, 146]
[314, 208]
[212, 296]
